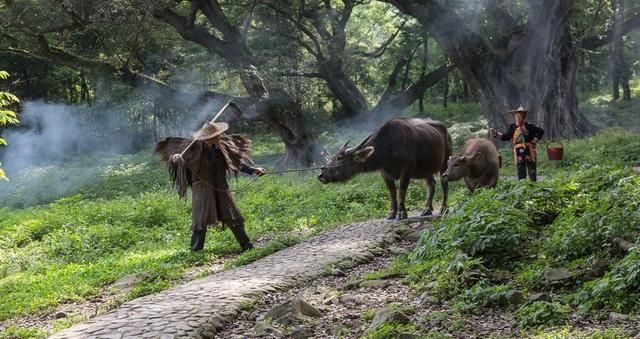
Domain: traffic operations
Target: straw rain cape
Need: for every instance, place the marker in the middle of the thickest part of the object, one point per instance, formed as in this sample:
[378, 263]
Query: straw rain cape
[205, 171]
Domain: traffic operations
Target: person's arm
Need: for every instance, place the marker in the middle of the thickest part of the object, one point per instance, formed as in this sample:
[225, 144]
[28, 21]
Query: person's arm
[507, 135]
[259, 171]
[537, 133]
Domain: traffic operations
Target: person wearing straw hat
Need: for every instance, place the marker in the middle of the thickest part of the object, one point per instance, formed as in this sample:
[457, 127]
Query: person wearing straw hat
[524, 137]
[210, 157]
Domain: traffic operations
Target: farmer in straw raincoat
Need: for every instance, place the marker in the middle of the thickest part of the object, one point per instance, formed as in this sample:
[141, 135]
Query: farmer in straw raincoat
[206, 164]
[524, 137]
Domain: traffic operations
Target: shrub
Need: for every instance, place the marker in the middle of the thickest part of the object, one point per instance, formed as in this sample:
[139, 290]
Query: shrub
[448, 275]
[618, 290]
[473, 226]
[541, 313]
[484, 294]
[608, 206]
[7, 116]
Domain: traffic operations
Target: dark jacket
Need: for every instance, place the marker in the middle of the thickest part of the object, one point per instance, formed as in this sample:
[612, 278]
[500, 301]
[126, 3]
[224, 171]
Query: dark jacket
[531, 131]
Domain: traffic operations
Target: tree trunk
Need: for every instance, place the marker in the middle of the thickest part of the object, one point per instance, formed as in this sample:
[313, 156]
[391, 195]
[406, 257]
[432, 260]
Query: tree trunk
[540, 74]
[400, 101]
[465, 91]
[536, 68]
[283, 114]
[352, 100]
[272, 101]
[445, 91]
[620, 68]
[423, 68]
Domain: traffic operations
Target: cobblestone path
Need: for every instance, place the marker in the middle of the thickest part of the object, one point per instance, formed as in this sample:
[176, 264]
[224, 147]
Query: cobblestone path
[199, 308]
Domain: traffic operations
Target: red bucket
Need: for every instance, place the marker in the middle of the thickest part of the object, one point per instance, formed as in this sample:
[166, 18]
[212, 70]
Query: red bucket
[555, 153]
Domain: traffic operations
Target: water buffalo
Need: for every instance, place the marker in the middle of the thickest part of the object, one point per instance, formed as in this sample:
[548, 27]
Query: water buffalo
[401, 149]
[478, 164]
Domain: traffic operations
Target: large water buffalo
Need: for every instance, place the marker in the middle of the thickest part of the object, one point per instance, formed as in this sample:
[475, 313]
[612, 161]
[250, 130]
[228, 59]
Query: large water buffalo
[478, 164]
[401, 149]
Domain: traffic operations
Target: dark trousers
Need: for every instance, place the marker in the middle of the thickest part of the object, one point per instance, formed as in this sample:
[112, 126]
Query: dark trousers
[197, 238]
[524, 167]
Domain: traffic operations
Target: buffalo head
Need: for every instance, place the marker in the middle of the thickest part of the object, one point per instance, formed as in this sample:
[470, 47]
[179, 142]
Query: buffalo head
[346, 163]
[458, 166]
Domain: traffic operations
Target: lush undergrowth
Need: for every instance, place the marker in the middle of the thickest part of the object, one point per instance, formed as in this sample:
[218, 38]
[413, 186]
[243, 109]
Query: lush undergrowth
[499, 247]
[67, 234]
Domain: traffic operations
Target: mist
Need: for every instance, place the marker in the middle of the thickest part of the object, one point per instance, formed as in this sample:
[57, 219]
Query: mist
[57, 149]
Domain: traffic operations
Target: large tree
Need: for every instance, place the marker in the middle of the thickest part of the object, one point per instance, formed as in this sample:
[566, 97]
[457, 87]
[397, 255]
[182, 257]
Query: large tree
[28, 31]
[320, 28]
[508, 61]
[277, 106]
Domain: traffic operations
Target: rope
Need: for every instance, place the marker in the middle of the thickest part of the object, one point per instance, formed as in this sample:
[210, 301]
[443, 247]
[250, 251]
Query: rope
[253, 180]
[299, 170]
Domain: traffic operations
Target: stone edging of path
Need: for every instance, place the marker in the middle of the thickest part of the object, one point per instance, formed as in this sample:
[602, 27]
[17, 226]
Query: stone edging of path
[199, 308]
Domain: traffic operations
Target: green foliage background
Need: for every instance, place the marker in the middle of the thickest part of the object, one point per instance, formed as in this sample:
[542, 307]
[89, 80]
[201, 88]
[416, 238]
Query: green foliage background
[7, 116]
[505, 240]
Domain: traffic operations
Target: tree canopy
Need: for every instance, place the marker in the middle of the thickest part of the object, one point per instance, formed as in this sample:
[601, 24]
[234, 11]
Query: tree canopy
[295, 63]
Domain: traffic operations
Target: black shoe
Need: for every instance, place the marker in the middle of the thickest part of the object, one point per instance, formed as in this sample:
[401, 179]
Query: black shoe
[197, 240]
[247, 247]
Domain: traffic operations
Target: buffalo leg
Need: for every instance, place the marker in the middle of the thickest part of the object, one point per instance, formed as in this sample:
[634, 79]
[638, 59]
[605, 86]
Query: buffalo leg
[471, 184]
[445, 195]
[391, 187]
[431, 186]
[493, 181]
[404, 184]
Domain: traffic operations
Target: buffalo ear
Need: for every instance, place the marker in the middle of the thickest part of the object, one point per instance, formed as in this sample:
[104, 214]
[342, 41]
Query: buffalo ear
[363, 154]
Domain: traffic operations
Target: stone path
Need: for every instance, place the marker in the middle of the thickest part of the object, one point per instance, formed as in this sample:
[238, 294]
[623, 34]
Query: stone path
[201, 307]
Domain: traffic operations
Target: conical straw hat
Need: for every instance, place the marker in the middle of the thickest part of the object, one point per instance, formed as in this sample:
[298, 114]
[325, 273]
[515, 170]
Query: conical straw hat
[210, 130]
[519, 110]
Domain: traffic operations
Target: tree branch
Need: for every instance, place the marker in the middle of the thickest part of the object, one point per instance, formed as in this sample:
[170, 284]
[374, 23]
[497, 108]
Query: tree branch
[462, 44]
[232, 49]
[505, 23]
[290, 16]
[193, 13]
[302, 43]
[391, 84]
[217, 18]
[405, 98]
[301, 74]
[123, 74]
[378, 52]
[607, 37]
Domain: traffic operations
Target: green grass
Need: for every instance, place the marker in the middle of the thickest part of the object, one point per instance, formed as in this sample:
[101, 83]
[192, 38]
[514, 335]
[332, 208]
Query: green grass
[568, 332]
[600, 108]
[64, 240]
[67, 246]
[504, 239]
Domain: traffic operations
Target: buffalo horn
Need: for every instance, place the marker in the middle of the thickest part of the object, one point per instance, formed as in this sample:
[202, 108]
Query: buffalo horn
[353, 149]
[343, 146]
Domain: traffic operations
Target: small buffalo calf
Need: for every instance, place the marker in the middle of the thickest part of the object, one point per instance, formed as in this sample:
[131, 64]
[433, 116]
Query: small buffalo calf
[478, 164]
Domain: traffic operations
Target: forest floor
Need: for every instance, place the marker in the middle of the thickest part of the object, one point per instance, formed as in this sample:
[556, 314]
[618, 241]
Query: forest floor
[349, 309]
[202, 306]
[351, 302]
[80, 254]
